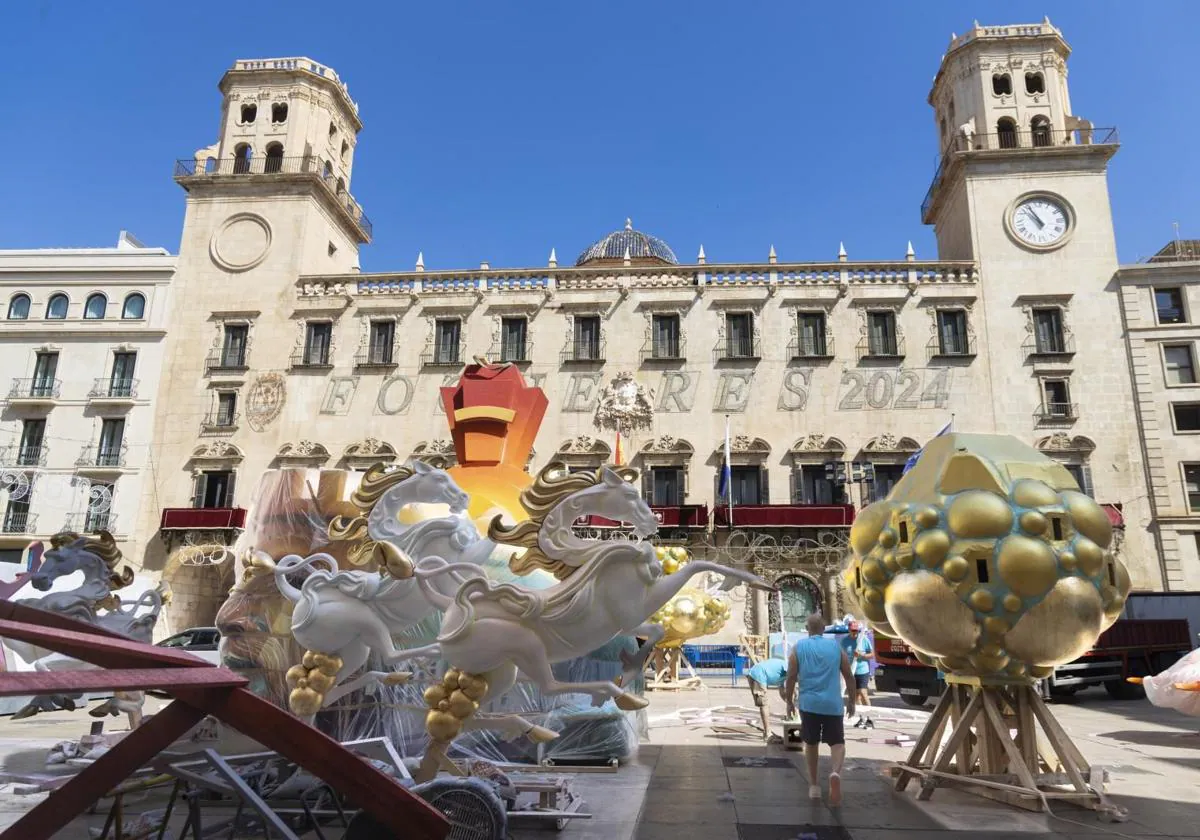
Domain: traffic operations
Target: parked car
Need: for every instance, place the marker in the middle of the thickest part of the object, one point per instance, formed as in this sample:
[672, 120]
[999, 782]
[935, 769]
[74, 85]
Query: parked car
[198, 641]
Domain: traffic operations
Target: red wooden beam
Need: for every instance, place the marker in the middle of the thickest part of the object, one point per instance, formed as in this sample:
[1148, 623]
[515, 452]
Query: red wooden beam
[124, 679]
[16, 611]
[53, 814]
[119, 652]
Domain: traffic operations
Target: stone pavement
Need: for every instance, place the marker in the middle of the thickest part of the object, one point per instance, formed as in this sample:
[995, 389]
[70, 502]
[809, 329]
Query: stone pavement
[694, 783]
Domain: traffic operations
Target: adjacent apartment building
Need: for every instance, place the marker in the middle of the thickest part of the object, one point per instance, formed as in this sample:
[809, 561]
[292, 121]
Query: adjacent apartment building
[81, 341]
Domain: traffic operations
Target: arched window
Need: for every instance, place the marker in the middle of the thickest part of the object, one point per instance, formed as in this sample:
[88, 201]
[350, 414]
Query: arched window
[249, 113]
[332, 131]
[1035, 83]
[18, 307]
[345, 149]
[1002, 84]
[1006, 133]
[135, 307]
[328, 171]
[943, 128]
[56, 307]
[241, 158]
[341, 185]
[274, 161]
[95, 307]
[1039, 129]
[210, 165]
[279, 112]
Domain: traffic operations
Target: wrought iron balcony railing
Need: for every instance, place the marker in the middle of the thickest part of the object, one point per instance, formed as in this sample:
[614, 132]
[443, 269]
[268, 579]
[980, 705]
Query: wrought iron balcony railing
[444, 356]
[23, 456]
[665, 351]
[89, 522]
[512, 352]
[35, 389]
[957, 347]
[114, 389]
[19, 522]
[583, 351]
[887, 349]
[729, 350]
[310, 165]
[220, 420]
[1057, 412]
[227, 359]
[376, 357]
[103, 457]
[811, 347]
[312, 357]
[1062, 344]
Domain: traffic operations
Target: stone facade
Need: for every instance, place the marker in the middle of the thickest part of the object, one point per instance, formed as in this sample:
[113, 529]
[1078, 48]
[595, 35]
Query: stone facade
[837, 368]
[1160, 302]
[82, 340]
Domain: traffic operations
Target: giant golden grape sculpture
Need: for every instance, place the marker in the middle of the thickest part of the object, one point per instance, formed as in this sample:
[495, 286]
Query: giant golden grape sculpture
[693, 612]
[987, 560]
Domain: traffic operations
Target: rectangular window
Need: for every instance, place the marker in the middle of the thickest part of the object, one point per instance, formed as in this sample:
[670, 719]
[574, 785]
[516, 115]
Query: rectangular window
[226, 408]
[587, 338]
[214, 489]
[666, 486]
[99, 516]
[16, 516]
[810, 330]
[815, 486]
[1186, 416]
[746, 485]
[1191, 486]
[317, 340]
[1048, 330]
[1081, 476]
[233, 349]
[512, 339]
[881, 334]
[112, 435]
[886, 477]
[739, 336]
[665, 337]
[952, 332]
[33, 432]
[120, 383]
[447, 334]
[381, 342]
[1168, 305]
[1057, 395]
[1180, 366]
[43, 375]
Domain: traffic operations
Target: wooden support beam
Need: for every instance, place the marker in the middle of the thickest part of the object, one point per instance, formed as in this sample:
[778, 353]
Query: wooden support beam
[29, 683]
[107, 652]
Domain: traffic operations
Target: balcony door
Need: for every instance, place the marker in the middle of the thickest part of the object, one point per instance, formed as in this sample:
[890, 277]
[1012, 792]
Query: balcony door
[746, 485]
[112, 435]
[213, 489]
[666, 486]
[233, 352]
[33, 432]
[120, 384]
[99, 516]
[43, 374]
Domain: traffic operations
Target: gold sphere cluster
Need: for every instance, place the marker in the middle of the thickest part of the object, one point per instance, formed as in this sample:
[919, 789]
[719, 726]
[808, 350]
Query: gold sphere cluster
[310, 681]
[451, 702]
[692, 613]
[985, 583]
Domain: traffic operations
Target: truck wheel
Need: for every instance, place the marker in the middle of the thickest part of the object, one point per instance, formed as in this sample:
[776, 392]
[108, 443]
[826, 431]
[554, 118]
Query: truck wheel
[1121, 690]
[918, 700]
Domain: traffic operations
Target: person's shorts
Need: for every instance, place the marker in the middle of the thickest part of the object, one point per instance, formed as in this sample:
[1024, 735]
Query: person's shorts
[816, 728]
[759, 692]
[861, 680]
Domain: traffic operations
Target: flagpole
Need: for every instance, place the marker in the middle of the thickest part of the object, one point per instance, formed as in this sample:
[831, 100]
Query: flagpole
[729, 468]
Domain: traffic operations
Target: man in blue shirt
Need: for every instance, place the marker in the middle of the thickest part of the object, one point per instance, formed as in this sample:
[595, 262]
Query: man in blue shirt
[766, 674]
[820, 665]
[862, 652]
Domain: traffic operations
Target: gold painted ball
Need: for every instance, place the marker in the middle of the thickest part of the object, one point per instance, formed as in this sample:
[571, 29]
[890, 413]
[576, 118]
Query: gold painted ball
[931, 547]
[979, 513]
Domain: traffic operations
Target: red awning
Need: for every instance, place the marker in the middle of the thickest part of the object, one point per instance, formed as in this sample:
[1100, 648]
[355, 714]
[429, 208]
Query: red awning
[786, 516]
[668, 516]
[182, 519]
[1113, 512]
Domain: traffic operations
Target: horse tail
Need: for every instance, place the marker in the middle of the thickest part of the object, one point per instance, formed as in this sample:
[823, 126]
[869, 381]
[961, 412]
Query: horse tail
[428, 569]
[462, 600]
[294, 562]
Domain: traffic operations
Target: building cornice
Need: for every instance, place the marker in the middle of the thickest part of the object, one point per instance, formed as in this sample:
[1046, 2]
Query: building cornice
[1189, 270]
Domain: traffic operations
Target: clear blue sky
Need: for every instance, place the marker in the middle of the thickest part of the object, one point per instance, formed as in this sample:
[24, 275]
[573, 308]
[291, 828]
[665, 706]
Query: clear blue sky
[497, 130]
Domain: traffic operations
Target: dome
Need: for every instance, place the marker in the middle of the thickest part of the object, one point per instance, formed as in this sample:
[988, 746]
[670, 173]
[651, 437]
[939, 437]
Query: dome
[642, 247]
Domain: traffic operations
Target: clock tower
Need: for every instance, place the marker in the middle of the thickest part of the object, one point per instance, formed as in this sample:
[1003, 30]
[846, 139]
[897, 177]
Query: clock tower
[1022, 190]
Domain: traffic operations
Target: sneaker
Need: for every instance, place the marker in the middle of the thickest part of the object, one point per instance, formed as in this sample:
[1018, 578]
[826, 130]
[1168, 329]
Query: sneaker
[835, 790]
[814, 792]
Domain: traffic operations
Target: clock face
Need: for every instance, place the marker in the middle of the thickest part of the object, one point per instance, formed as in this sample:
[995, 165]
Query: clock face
[1041, 222]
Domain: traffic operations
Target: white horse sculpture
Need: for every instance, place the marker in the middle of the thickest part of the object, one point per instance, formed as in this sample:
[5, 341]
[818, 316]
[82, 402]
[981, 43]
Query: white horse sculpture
[97, 557]
[328, 597]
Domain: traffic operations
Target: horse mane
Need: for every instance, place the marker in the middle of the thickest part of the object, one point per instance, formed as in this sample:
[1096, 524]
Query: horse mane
[103, 546]
[378, 480]
[553, 484]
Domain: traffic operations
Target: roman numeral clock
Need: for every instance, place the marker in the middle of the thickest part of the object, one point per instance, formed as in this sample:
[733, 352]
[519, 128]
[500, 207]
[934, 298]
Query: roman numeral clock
[1040, 221]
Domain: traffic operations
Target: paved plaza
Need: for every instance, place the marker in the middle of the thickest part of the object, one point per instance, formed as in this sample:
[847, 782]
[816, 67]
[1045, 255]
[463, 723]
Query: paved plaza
[695, 783]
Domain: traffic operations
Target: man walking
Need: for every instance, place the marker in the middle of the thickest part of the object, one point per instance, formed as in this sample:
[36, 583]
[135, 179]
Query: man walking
[820, 665]
[769, 673]
[861, 654]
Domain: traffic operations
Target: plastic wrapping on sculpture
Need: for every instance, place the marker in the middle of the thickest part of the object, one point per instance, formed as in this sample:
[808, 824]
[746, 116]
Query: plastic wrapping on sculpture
[1178, 687]
[987, 560]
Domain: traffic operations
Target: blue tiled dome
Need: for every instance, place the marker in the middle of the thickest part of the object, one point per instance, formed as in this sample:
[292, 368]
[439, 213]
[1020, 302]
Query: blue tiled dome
[641, 247]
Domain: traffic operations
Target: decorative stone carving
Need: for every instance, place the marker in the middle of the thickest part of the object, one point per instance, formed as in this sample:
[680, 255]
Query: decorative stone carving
[305, 453]
[217, 450]
[437, 453]
[888, 442]
[584, 445]
[265, 400]
[818, 444]
[668, 445]
[368, 452]
[624, 405]
[1062, 442]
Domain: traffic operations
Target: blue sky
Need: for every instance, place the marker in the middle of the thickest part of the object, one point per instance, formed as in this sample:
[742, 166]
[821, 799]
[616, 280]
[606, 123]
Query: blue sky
[494, 131]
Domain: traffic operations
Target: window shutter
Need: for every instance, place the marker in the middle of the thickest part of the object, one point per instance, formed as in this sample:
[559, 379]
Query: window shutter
[764, 485]
[1086, 472]
[680, 493]
[198, 485]
[229, 488]
[648, 485]
[795, 482]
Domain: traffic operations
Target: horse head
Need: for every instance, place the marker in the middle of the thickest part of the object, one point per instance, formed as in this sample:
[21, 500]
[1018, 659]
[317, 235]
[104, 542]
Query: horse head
[96, 556]
[616, 498]
[434, 486]
[64, 559]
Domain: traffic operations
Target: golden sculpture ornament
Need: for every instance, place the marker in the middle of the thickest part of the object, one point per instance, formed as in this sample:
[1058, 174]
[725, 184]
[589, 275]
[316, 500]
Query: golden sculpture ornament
[987, 560]
[693, 612]
[451, 702]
